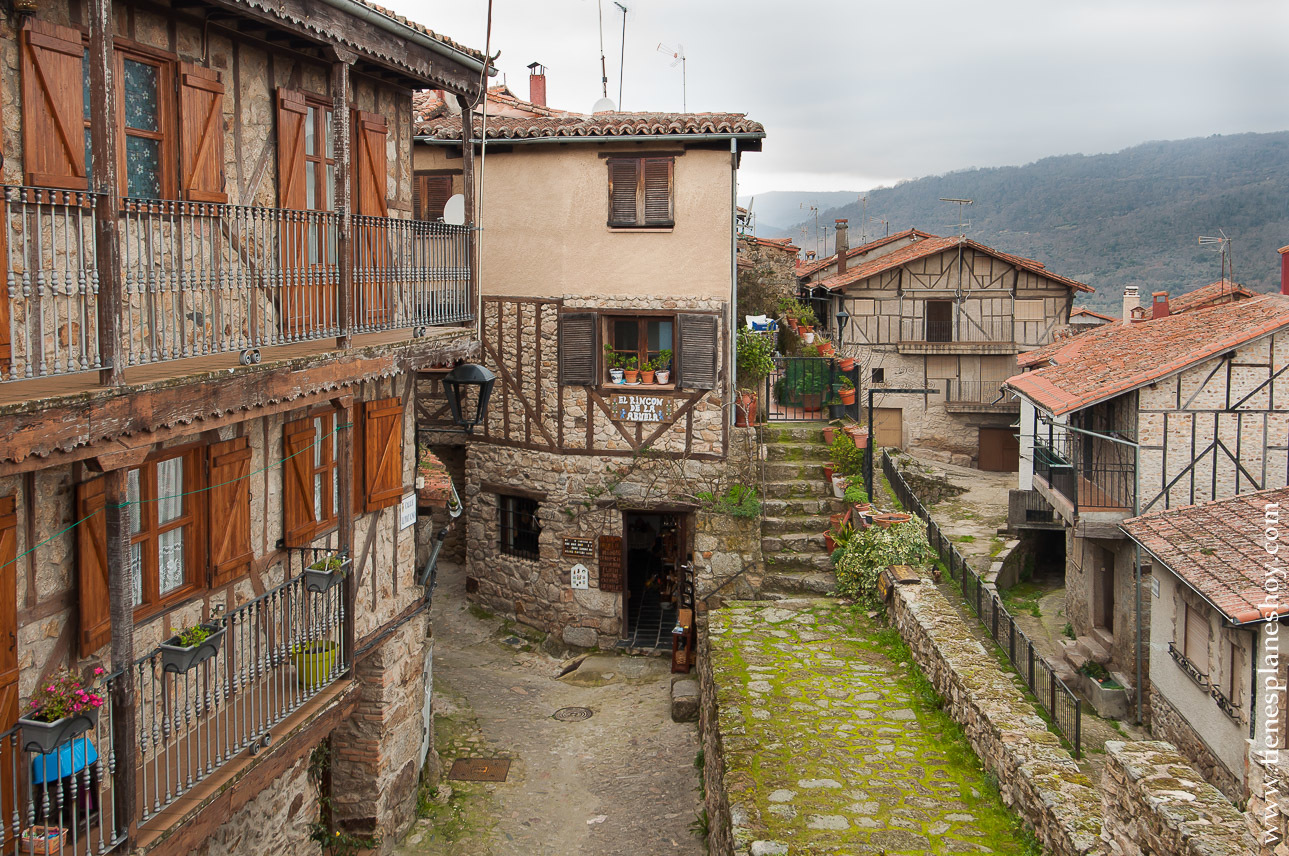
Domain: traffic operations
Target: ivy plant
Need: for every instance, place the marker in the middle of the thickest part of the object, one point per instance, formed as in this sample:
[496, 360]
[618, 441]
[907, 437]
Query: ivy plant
[863, 558]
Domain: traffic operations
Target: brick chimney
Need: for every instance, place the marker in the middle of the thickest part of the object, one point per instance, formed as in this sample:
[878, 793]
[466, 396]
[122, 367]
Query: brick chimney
[1159, 305]
[1131, 301]
[841, 246]
[1284, 270]
[537, 84]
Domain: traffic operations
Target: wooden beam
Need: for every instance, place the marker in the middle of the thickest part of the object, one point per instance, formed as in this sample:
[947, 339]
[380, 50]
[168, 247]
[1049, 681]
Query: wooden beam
[121, 608]
[105, 183]
[343, 192]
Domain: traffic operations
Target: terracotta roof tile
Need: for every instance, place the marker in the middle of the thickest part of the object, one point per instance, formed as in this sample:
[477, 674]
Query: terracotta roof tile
[784, 244]
[863, 250]
[1112, 359]
[1213, 294]
[420, 28]
[546, 122]
[1084, 311]
[930, 247]
[1219, 550]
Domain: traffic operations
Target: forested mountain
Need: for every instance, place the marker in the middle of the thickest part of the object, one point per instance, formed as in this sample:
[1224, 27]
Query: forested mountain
[1132, 217]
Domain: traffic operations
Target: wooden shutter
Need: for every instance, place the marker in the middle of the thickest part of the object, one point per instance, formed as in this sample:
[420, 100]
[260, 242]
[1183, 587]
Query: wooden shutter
[291, 114]
[8, 719]
[298, 524]
[624, 180]
[699, 343]
[91, 566]
[369, 164]
[201, 137]
[6, 347]
[8, 589]
[430, 195]
[610, 563]
[383, 452]
[577, 340]
[53, 118]
[656, 181]
[1196, 642]
[229, 506]
[373, 255]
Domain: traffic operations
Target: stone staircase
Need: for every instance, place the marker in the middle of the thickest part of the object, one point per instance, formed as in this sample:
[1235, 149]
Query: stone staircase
[797, 505]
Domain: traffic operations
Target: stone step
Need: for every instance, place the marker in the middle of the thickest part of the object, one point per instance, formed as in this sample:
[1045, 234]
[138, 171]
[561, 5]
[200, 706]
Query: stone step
[795, 523]
[793, 542]
[809, 584]
[794, 507]
[796, 452]
[799, 489]
[1092, 649]
[776, 471]
[789, 432]
[1103, 636]
[778, 563]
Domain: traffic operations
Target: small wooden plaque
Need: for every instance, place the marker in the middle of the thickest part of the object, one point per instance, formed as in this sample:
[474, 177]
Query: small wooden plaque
[582, 548]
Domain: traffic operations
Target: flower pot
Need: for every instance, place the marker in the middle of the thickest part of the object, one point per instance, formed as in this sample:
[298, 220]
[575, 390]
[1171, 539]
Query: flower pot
[839, 486]
[632, 375]
[320, 580]
[825, 349]
[835, 520]
[859, 435]
[846, 365]
[646, 376]
[178, 659]
[828, 473]
[836, 411]
[812, 402]
[745, 409]
[313, 662]
[44, 737]
[663, 375]
[847, 395]
[830, 434]
[829, 543]
[41, 839]
[615, 375]
[809, 336]
[889, 519]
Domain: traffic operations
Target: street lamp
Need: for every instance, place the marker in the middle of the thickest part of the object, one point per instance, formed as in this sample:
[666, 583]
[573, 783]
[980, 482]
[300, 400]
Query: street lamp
[842, 318]
[455, 386]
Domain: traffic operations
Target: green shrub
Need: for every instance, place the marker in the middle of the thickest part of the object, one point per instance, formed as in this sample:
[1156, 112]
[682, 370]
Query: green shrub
[847, 458]
[755, 358]
[871, 551]
[855, 493]
[738, 501]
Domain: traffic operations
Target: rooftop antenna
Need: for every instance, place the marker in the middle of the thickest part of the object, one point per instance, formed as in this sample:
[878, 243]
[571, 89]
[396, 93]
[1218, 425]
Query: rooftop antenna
[1224, 247]
[963, 223]
[814, 209]
[678, 58]
[622, 59]
[604, 74]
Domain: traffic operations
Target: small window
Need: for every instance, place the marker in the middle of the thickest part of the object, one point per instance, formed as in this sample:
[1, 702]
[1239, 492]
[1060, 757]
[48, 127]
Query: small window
[939, 321]
[634, 343]
[640, 193]
[163, 499]
[1233, 663]
[520, 529]
[145, 89]
[879, 375]
[430, 195]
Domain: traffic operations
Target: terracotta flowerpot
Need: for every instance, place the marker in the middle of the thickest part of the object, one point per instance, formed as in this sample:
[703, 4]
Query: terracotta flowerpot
[858, 434]
[646, 377]
[830, 434]
[829, 543]
[847, 395]
[812, 402]
[828, 471]
[835, 520]
[745, 410]
[889, 519]
[825, 349]
[632, 375]
[848, 364]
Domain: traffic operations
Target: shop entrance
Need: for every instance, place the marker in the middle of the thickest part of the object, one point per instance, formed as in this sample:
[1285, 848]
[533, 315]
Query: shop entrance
[658, 576]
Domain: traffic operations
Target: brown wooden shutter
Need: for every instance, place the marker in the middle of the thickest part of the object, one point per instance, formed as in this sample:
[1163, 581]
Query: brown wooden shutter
[369, 164]
[610, 563]
[1195, 646]
[201, 137]
[8, 588]
[53, 119]
[383, 452]
[430, 195]
[291, 113]
[657, 192]
[624, 180]
[229, 506]
[91, 566]
[577, 342]
[699, 343]
[298, 524]
[8, 719]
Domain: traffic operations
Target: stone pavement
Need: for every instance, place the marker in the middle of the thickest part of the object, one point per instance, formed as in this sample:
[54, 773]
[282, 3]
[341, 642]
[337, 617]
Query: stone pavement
[622, 782]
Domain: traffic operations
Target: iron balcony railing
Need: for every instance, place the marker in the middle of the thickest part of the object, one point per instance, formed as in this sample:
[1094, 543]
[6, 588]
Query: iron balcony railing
[63, 801]
[201, 278]
[278, 651]
[978, 392]
[1088, 485]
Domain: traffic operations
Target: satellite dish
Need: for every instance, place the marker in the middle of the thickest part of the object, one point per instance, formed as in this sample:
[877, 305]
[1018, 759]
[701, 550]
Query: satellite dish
[604, 105]
[454, 210]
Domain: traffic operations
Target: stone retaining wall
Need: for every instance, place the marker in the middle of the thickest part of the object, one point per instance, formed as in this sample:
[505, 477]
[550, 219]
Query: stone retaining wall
[1155, 802]
[1168, 724]
[720, 835]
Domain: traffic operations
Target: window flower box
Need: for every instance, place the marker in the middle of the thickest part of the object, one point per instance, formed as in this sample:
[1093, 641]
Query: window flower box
[62, 707]
[179, 654]
[42, 737]
[320, 576]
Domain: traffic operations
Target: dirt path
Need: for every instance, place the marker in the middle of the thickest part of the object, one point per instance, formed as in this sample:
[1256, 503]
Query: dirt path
[621, 782]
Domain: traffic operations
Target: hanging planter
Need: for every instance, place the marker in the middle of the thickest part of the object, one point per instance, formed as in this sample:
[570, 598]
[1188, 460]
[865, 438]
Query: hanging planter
[325, 573]
[193, 646]
[847, 364]
[61, 708]
[44, 737]
[847, 395]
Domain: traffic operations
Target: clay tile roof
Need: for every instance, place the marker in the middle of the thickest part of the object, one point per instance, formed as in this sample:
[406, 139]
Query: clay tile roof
[1112, 359]
[1083, 311]
[929, 247]
[784, 244]
[438, 37]
[1222, 291]
[864, 249]
[573, 125]
[1219, 550]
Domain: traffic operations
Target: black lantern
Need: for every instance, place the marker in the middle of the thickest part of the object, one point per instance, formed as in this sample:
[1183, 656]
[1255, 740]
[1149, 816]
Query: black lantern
[455, 384]
[842, 317]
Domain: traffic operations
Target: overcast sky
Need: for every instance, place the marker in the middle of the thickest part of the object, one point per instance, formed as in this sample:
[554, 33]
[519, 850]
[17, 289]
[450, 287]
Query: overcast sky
[857, 94]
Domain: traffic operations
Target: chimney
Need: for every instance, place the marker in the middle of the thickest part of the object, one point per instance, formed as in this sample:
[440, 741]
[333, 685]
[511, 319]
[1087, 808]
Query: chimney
[1284, 270]
[841, 246]
[1131, 301]
[1159, 305]
[537, 84]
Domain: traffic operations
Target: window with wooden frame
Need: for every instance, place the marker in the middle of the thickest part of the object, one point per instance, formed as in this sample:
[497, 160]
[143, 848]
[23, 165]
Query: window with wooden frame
[311, 485]
[939, 321]
[1232, 672]
[519, 526]
[147, 159]
[164, 527]
[430, 194]
[694, 340]
[640, 192]
[635, 342]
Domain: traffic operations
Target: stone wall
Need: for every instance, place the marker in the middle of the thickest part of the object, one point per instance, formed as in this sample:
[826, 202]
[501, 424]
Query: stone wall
[720, 834]
[276, 821]
[1154, 802]
[1168, 724]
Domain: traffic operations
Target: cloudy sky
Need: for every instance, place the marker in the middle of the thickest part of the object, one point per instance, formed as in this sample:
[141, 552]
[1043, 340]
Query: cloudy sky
[857, 94]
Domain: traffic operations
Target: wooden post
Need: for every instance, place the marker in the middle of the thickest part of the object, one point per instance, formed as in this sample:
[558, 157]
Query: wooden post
[121, 609]
[104, 183]
[345, 412]
[468, 189]
[344, 201]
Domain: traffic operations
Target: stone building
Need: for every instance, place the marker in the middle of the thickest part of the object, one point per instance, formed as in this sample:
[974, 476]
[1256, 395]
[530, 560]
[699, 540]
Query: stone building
[767, 271]
[1130, 419]
[1217, 658]
[610, 238]
[947, 314]
[208, 339]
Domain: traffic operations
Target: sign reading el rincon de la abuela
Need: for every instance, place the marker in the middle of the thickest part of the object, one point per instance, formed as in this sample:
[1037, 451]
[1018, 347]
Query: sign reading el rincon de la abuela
[641, 408]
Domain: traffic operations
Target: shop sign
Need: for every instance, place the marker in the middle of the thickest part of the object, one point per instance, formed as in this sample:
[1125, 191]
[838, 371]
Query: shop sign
[641, 408]
[579, 576]
[582, 548]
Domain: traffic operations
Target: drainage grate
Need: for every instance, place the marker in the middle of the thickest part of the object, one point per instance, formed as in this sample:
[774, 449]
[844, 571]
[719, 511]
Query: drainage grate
[480, 769]
[572, 714]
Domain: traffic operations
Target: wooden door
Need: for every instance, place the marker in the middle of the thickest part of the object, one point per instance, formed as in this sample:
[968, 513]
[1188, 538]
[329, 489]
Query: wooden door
[373, 255]
[888, 426]
[999, 450]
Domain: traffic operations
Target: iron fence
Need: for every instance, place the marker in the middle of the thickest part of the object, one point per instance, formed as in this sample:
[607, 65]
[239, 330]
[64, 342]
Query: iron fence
[1052, 693]
[809, 388]
[1087, 484]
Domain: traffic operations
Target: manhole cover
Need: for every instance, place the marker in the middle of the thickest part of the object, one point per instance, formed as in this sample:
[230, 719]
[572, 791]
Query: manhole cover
[572, 714]
[479, 769]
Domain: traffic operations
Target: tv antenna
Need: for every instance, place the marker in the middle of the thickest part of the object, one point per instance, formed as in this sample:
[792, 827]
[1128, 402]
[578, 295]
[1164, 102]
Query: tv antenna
[963, 223]
[814, 209]
[1223, 244]
[678, 58]
[622, 58]
[604, 73]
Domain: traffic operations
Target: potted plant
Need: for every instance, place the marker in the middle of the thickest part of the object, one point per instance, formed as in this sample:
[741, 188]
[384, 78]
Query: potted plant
[830, 543]
[190, 646]
[826, 348]
[891, 518]
[326, 572]
[830, 434]
[836, 409]
[630, 370]
[839, 485]
[858, 435]
[313, 662]
[647, 371]
[60, 709]
[662, 366]
[846, 364]
[847, 391]
[614, 362]
[828, 472]
[755, 361]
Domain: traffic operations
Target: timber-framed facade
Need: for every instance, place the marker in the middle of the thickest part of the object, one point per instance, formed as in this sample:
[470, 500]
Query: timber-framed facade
[215, 306]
